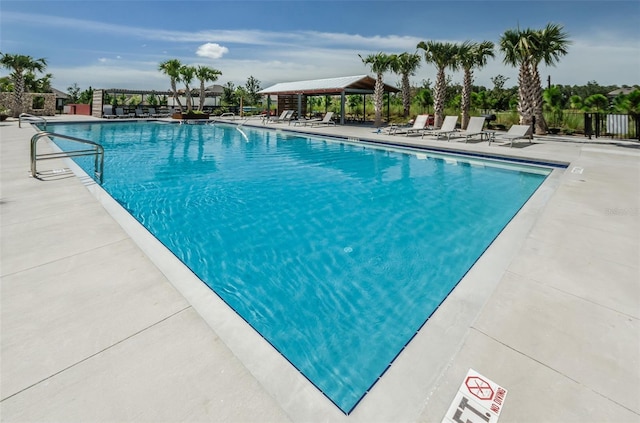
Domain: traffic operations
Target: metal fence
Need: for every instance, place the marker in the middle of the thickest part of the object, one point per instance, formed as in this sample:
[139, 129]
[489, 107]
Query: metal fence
[615, 126]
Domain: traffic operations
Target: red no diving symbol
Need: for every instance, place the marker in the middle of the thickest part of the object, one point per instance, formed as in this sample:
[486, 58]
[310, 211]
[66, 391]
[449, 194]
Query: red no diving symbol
[479, 388]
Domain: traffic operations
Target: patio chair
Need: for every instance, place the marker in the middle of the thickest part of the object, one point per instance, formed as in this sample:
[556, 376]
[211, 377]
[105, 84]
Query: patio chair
[516, 132]
[107, 112]
[420, 124]
[155, 114]
[141, 114]
[448, 127]
[326, 120]
[474, 128]
[284, 116]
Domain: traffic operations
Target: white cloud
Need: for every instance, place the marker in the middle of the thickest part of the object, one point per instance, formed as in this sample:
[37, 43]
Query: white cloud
[272, 56]
[212, 50]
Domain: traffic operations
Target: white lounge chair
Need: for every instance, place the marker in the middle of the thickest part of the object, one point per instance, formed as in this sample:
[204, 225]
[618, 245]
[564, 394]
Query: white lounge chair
[474, 128]
[304, 121]
[448, 127]
[516, 132]
[326, 120]
[284, 117]
[420, 124]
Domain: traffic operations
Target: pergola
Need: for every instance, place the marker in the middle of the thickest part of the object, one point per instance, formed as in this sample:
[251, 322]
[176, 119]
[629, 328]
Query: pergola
[98, 95]
[343, 86]
[210, 91]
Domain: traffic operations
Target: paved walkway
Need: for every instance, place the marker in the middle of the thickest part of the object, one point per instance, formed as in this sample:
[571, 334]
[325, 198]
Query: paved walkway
[99, 322]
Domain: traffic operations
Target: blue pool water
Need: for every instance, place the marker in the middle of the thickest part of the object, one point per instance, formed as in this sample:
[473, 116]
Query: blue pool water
[336, 253]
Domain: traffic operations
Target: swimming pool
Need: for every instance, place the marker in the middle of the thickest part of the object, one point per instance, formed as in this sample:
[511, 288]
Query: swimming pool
[335, 252]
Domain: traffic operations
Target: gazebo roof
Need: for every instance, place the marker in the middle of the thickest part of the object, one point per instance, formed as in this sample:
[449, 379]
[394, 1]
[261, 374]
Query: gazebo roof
[359, 84]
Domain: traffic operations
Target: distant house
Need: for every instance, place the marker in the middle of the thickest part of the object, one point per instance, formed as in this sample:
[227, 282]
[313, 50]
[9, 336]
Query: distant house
[624, 91]
[61, 99]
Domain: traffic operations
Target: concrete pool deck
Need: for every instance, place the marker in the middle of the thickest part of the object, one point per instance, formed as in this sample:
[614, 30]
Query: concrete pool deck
[100, 323]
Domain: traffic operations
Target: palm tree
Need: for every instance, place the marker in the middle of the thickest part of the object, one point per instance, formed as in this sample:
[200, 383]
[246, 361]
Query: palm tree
[517, 46]
[405, 64]
[443, 55]
[20, 64]
[550, 44]
[527, 49]
[187, 73]
[470, 56]
[380, 63]
[171, 68]
[205, 74]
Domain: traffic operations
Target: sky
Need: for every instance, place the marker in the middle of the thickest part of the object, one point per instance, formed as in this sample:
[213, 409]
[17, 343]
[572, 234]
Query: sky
[119, 44]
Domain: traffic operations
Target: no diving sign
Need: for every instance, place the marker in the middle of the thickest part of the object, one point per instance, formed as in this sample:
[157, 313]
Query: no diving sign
[479, 400]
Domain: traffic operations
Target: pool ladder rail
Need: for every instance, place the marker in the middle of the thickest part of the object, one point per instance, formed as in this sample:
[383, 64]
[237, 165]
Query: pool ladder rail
[31, 118]
[94, 149]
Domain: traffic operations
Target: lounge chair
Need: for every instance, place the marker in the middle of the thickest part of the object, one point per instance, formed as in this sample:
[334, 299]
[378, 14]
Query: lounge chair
[474, 128]
[516, 132]
[326, 120]
[155, 114]
[304, 121]
[420, 124]
[448, 127]
[141, 114]
[121, 114]
[283, 116]
[107, 112]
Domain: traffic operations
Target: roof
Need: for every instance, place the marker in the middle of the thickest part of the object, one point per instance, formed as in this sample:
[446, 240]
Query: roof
[215, 89]
[59, 94]
[623, 90]
[347, 84]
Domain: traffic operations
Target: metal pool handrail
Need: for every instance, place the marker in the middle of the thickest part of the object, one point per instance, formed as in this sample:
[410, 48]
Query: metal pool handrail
[96, 150]
[29, 118]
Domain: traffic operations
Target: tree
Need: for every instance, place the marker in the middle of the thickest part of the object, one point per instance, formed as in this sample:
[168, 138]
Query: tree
[482, 100]
[443, 55]
[499, 97]
[86, 96]
[20, 64]
[171, 68]
[405, 64]
[527, 49]
[575, 102]
[516, 47]
[228, 94]
[33, 84]
[354, 102]
[74, 93]
[187, 73]
[549, 45]
[596, 102]
[380, 63]
[205, 74]
[6, 84]
[632, 102]
[252, 86]
[423, 99]
[470, 56]
[553, 101]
